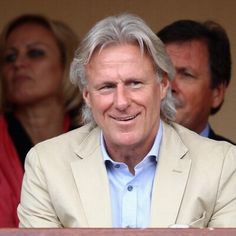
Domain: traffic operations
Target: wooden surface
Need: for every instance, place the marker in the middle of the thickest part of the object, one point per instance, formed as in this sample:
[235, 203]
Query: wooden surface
[117, 232]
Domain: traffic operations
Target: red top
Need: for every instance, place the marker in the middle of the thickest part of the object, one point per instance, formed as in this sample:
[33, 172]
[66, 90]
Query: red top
[11, 175]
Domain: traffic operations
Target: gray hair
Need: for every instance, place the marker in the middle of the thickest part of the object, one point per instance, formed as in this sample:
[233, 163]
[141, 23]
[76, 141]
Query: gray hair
[122, 29]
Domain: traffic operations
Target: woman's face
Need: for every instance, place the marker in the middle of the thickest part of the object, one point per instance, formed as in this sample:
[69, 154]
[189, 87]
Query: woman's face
[32, 68]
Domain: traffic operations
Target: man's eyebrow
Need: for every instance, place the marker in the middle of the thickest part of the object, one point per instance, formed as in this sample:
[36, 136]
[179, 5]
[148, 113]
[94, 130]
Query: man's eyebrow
[184, 69]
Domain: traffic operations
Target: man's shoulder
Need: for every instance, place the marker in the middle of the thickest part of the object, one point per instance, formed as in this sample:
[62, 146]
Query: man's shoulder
[65, 148]
[213, 135]
[196, 143]
[71, 138]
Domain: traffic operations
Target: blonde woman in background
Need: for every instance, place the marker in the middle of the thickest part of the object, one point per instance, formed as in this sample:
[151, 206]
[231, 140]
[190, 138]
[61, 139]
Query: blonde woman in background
[37, 99]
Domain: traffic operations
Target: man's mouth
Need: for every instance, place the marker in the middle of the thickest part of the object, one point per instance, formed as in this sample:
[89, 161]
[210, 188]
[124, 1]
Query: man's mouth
[125, 118]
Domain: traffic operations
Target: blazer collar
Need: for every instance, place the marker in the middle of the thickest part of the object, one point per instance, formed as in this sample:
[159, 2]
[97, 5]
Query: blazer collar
[91, 179]
[171, 177]
[169, 184]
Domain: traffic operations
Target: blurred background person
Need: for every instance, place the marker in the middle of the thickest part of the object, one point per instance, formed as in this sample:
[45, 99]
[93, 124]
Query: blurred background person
[201, 55]
[37, 99]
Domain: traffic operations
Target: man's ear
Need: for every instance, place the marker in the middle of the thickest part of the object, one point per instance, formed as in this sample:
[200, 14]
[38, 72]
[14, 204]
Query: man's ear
[86, 97]
[218, 95]
[164, 85]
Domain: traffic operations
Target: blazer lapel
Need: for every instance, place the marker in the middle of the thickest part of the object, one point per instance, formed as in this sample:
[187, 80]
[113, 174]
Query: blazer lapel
[170, 180]
[91, 179]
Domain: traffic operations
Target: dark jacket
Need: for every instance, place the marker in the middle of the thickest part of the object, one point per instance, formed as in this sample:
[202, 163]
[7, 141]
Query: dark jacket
[213, 135]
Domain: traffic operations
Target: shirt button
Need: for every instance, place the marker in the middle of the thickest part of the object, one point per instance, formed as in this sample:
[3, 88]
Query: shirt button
[130, 188]
[117, 166]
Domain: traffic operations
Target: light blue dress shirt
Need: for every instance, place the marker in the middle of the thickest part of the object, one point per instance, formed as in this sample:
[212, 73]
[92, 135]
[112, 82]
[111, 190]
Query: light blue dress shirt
[205, 132]
[131, 194]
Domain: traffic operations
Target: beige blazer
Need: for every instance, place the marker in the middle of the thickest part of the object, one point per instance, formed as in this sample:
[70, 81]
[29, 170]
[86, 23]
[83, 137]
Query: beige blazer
[66, 185]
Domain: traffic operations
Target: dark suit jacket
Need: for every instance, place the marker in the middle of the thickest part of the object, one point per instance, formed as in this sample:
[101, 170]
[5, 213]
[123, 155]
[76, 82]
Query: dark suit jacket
[213, 135]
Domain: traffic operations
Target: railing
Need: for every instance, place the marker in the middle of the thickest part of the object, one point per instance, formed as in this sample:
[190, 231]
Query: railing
[117, 232]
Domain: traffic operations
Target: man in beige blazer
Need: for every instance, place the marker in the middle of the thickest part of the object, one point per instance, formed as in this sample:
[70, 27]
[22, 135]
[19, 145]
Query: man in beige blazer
[130, 166]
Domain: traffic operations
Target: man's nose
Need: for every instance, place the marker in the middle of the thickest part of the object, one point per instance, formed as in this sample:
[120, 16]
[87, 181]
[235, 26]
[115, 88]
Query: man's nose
[175, 85]
[122, 99]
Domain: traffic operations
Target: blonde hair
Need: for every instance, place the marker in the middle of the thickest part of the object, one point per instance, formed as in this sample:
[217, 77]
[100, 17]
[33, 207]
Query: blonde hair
[67, 42]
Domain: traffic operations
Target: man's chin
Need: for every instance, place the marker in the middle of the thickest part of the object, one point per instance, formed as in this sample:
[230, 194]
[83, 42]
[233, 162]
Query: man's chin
[181, 121]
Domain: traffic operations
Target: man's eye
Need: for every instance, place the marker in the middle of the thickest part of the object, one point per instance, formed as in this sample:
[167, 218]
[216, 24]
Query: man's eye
[188, 75]
[9, 58]
[135, 84]
[36, 53]
[106, 87]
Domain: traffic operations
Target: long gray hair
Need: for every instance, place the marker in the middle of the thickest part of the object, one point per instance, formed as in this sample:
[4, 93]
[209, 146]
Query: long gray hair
[123, 29]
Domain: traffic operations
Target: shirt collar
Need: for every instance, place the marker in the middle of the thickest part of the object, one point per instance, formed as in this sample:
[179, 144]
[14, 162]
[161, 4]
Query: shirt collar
[154, 151]
[205, 131]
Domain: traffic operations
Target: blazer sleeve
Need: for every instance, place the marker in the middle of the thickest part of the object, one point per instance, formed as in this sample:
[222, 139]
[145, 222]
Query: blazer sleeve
[225, 206]
[35, 208]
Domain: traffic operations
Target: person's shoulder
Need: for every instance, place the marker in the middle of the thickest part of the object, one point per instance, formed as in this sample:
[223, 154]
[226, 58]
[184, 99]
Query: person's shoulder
[213, 135]
[2, 119]
[70, 138]
[64, 148]
[3, 126]
[195, 143]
